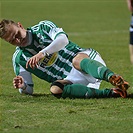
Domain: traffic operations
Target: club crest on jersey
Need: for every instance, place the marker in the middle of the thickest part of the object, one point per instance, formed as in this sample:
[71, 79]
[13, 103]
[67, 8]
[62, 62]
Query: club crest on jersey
[48, 60]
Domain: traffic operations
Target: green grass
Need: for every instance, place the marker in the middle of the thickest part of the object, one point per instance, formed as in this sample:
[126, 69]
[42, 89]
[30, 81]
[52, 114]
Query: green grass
[100, 24]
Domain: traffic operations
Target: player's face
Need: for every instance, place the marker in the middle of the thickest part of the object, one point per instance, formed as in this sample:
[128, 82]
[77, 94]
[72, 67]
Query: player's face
[16, 35]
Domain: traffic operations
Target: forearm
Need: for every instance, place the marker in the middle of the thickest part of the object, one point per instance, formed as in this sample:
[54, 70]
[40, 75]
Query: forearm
[26, 89]
[60, 42]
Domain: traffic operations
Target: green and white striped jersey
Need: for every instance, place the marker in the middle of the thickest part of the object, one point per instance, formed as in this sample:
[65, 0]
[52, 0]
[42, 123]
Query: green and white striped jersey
[52, 67]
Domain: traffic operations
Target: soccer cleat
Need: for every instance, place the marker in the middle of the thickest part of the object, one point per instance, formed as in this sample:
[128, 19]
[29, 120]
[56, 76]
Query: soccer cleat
[119, 82]
[116, 92]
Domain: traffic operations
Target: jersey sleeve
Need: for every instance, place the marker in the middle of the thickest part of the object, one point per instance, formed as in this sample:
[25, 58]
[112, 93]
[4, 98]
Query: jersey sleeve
[51, 29]
[15, 61]
[19, 70]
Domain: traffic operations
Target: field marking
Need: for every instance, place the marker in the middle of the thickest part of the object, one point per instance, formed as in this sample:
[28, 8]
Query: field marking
[90, 1]
[96, 33]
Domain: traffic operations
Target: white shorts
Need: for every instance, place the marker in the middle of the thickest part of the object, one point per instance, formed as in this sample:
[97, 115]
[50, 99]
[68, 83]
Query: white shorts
[78, 77]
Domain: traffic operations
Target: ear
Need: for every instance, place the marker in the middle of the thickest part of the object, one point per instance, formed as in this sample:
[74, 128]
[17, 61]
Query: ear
[20, 25]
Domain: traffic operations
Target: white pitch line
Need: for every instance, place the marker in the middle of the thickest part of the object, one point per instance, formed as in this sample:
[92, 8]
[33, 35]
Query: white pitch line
[96, 33]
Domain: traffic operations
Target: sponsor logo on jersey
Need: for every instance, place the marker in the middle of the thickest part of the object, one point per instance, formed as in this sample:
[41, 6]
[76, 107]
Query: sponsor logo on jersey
[48, 60]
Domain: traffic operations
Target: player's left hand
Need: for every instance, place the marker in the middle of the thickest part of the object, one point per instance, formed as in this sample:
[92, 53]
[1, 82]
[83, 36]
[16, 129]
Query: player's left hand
[34, 61]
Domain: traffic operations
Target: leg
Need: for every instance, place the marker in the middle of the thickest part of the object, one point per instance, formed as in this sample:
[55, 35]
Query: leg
[81, 91]
[131, 45]
[83, 62]
[131, 53]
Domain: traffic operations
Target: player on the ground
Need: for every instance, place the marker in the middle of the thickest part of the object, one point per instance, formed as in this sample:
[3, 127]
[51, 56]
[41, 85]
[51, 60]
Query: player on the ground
[45, 51]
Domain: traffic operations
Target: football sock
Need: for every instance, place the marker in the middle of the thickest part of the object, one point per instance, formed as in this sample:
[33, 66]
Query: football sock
[95, 69]
[81, 91]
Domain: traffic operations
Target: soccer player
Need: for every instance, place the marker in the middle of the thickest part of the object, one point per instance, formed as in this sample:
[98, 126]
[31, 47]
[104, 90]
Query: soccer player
[130, 7]
[45, 51]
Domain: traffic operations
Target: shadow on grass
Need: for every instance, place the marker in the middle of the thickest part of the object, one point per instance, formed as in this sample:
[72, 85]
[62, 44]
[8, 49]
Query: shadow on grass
[130, 95]
[50, 95]
[42, 95]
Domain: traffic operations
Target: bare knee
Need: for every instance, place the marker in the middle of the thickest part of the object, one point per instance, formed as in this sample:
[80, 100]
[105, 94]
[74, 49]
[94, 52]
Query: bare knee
[57, 87]
[77, 59]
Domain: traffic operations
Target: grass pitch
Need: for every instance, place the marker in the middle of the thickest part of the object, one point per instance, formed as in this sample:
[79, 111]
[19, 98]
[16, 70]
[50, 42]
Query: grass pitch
[99, 24]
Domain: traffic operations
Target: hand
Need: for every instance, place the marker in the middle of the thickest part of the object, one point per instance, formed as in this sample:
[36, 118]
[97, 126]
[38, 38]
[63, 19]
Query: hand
[18, 82]
[33, 61]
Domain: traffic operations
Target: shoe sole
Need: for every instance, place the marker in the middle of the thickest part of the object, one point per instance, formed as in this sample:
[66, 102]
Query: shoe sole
[119, 82]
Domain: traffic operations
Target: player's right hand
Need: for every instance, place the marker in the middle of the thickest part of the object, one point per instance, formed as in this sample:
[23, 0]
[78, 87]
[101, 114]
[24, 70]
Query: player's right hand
[34, 61]
[18, 82]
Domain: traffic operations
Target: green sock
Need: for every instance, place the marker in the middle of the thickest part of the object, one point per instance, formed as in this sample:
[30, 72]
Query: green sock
[81, 91]
[95, 69]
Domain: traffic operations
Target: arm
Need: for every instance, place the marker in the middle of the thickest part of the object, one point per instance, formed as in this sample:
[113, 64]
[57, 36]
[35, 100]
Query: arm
[23, 80]
[60, 42]
[24, 83]
[130, 5]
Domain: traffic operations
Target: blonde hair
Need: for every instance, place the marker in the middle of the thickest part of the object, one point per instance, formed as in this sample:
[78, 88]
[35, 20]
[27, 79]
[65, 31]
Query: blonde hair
[3, 26]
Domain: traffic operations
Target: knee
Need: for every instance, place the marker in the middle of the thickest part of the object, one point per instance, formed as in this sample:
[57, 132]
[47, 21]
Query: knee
[77, 59]
[75, 62]
[56, 89]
